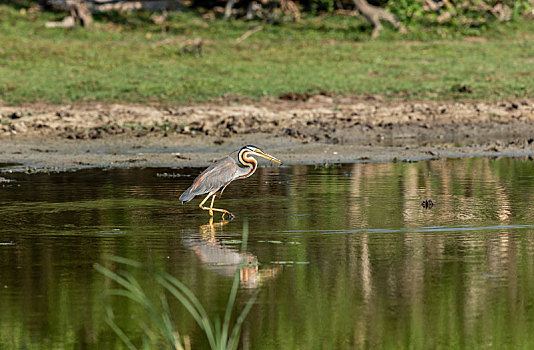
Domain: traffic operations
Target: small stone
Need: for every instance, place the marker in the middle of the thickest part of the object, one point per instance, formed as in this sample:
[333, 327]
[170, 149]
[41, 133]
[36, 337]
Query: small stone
[21, 127]
[428, 203]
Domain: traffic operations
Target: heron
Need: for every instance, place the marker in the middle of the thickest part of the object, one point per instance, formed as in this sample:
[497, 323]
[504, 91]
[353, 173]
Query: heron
[221, 173]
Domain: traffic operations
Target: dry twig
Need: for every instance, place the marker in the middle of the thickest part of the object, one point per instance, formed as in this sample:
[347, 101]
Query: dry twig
[248, 33]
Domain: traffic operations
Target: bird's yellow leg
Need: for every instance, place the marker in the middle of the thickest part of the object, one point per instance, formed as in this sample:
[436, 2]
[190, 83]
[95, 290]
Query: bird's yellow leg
[212, 209]
[224, 211]
[211, 206]
[201, 205]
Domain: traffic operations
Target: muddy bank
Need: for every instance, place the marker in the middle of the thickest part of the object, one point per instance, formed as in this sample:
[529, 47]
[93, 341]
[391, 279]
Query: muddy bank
[36, 155]
[296, 128]
[303, 117]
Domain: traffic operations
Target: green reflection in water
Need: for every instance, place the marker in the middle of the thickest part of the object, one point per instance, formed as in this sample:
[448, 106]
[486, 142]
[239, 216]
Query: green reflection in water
[376, 270]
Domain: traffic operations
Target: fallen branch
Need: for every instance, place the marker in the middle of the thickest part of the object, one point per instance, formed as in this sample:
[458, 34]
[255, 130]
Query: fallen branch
[288, 6]
[321, 17]
[118, 5]
[67, 22]
[81, 14]
[248, 33]
[375, 14]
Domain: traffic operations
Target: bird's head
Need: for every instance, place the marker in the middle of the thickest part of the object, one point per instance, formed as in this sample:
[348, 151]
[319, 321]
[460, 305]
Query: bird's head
[258, 152]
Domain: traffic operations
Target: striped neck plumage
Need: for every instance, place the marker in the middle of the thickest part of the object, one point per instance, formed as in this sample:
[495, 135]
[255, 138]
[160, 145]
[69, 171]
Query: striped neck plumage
[245, 159]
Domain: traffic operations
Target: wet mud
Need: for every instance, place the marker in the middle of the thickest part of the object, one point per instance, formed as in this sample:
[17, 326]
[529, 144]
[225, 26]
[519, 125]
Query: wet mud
[297, 128]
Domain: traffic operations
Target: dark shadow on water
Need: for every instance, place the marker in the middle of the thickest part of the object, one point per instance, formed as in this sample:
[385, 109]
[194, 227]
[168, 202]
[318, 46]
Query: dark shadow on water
[8, 165]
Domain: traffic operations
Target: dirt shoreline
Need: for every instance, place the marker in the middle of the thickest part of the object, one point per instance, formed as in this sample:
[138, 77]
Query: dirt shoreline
[296, 128]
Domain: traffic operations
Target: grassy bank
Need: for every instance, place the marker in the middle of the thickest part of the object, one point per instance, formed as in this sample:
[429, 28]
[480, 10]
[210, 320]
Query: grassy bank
[126, 59]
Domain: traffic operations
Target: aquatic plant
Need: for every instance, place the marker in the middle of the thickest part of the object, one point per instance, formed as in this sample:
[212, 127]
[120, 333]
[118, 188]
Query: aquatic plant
[160, 330]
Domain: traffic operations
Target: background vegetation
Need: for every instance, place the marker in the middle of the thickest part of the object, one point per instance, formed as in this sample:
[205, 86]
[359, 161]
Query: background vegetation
[480, 50]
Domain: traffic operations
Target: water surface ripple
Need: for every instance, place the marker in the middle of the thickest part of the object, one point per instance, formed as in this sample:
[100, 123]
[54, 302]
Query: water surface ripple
[344, 256]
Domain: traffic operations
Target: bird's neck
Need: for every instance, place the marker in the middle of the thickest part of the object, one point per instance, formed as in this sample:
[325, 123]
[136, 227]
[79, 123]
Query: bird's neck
[246, 160]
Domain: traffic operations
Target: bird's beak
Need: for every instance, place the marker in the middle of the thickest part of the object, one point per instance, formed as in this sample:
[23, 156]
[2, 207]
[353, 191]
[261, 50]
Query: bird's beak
[268, 156]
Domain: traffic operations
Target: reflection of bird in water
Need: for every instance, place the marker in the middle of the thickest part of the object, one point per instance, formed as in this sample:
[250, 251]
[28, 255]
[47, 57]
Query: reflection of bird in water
[221, 173]
[226, 260]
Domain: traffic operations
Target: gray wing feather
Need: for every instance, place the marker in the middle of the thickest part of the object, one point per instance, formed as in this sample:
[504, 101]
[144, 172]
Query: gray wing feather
[217, 175]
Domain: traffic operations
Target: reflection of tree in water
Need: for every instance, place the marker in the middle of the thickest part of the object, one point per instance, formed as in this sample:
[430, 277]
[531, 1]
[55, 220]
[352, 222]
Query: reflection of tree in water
[374, 288]
[225, 259]
[472, 192]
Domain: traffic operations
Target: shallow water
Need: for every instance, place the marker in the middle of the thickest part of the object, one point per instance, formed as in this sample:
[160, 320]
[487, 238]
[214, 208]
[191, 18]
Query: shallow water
[343, 256]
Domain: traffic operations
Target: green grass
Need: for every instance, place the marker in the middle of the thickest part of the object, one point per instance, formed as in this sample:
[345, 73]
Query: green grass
[159, 329]
[129, 59]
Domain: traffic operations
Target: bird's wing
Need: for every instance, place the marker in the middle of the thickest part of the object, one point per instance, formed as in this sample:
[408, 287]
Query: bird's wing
[214, 177]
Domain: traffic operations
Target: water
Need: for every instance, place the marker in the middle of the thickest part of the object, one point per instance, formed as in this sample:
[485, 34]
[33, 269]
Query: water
[343, 256]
